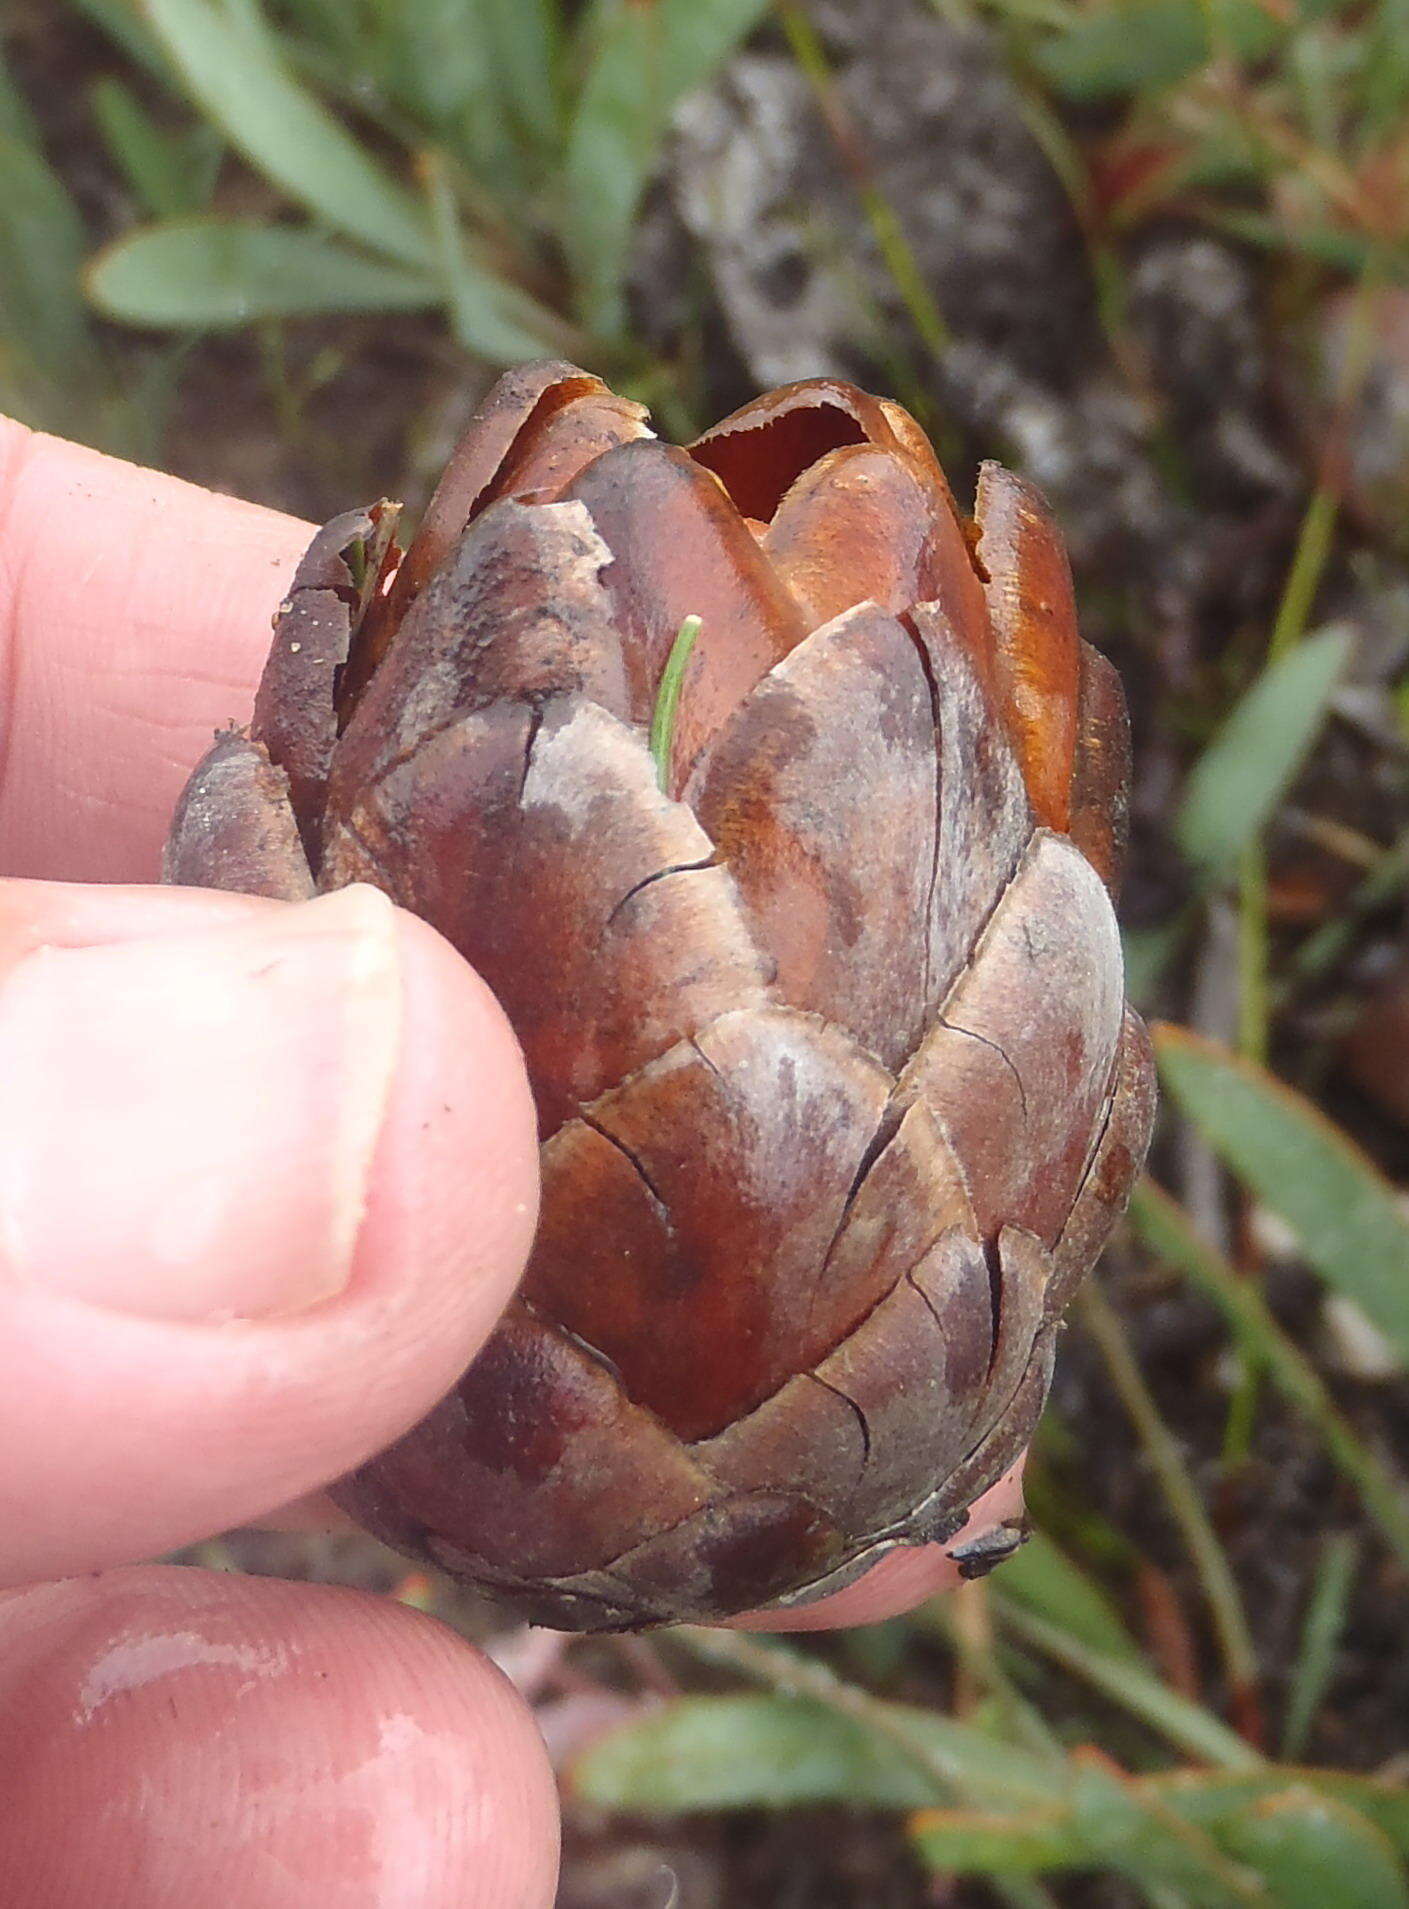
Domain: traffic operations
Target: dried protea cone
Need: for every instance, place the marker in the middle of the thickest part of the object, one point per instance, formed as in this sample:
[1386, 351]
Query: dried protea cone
[822, 1004]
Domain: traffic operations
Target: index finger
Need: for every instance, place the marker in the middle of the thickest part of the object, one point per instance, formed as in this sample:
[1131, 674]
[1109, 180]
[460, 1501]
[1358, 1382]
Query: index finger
[134, 620]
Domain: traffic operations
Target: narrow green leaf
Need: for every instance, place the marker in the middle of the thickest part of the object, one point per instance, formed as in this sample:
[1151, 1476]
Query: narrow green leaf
[438, 64]
[212, 272]
[43, 328]
[1321, 1633]
[716, 1753]
[492, 318]
[344, 30]
[750, 1752]
[158, 165]
[1385, 79]
[1238, 781]
[17, 119]
[1284, 1831]
[1182, 1496]
[1334, 1198]
[668, 697]
[234, 71]
[644, 58]
[524, 36]
[124, 26]
[1042, 1579]
[1166, 1229]
[1342, 247]
[1139, 1691]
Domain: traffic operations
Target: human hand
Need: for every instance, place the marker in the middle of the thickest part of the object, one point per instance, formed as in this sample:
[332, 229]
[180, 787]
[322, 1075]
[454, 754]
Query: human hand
[267, 1176]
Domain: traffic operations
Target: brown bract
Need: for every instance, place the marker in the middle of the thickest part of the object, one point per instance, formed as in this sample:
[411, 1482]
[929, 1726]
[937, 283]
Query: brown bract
[838, 1093]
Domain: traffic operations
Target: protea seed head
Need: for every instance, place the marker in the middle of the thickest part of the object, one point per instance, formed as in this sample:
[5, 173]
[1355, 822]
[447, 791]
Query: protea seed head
[814, 968]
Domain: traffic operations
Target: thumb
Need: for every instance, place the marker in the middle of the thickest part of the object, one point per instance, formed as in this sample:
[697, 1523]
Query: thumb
[267, 1178]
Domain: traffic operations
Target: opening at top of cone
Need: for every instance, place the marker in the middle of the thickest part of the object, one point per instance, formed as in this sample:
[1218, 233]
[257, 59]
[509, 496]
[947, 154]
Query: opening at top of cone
[761, 451]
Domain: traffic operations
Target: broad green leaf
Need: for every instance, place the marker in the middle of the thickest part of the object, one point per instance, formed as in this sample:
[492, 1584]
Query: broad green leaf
[1044, 1580]
[1313, 1851]
[212, 272]
[1238, 781]
[170, 174]
[1342, 1210]
[748, 1752]
[644, 59]
[233, 70]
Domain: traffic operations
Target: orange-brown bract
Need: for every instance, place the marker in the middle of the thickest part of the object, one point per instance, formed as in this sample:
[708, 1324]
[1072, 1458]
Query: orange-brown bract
[839, 1096]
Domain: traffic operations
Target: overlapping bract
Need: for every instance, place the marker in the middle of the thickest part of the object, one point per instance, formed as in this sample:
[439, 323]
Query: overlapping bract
[838, 1094]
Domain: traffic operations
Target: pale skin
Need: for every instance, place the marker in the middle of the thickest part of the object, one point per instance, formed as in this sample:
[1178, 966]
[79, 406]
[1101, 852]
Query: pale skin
[239, 1251]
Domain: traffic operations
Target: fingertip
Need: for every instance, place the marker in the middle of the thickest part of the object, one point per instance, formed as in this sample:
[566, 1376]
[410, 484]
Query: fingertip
[134, 619]
[187, 1347]
[178, 1737]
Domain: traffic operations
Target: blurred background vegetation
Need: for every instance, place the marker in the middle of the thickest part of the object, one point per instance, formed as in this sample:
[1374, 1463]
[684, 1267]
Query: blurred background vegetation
[1156, 254]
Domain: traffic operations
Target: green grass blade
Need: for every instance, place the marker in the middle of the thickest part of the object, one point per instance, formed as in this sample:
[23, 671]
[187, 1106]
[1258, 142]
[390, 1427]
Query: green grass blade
[1322, 1630]
[1139, 1691]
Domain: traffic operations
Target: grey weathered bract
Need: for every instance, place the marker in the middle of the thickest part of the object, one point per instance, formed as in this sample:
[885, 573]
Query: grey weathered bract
[838, 1094]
